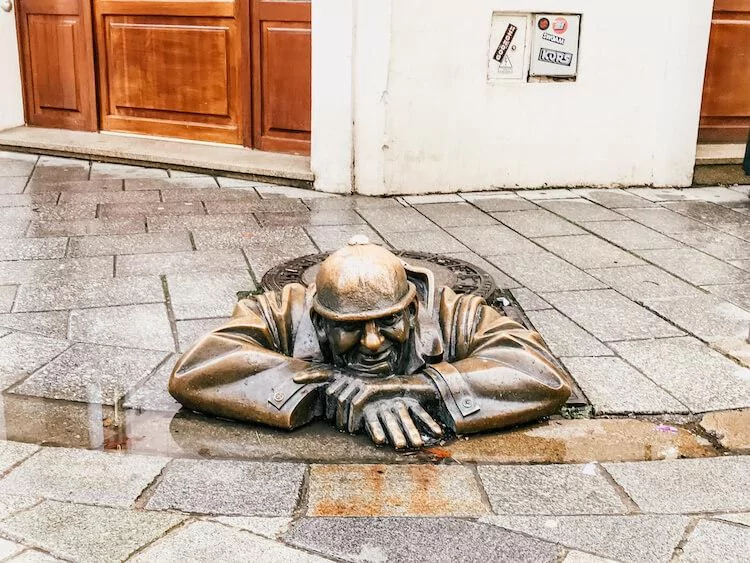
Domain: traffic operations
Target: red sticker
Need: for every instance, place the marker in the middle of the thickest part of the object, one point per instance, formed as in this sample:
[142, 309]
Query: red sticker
[560, 25]
[543, 24]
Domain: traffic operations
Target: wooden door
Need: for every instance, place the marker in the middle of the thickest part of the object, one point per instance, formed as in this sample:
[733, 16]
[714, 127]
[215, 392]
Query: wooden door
[281, 46]
[725, 115]
[57, 63]
[171, 68]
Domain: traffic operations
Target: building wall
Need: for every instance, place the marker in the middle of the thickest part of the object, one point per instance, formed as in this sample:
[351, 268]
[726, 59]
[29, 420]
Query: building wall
[11, 96]
[427, 120]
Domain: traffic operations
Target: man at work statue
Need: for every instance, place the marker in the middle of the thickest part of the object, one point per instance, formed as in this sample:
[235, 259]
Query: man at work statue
[373, 346]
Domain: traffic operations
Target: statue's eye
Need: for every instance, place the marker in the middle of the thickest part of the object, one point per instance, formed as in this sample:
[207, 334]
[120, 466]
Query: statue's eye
[391, 320]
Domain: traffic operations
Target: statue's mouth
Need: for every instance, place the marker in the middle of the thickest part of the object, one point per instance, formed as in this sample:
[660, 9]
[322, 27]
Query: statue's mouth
[381, 363]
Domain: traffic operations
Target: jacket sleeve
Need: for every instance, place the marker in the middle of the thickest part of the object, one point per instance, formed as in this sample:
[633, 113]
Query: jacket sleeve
[495, 373]
[244, 369]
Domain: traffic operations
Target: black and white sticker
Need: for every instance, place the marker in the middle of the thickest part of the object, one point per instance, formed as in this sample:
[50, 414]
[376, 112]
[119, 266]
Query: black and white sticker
[555, 57]
[502, 48]
[553, 38]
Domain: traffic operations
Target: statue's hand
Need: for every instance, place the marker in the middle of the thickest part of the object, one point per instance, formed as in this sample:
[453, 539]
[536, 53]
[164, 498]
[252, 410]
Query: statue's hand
[397, 421]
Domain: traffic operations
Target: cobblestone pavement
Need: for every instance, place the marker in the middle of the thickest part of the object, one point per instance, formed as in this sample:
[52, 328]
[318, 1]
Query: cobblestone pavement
[107, 271]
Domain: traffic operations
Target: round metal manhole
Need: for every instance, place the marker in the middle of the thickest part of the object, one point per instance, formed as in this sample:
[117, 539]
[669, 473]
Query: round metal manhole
[459, 275]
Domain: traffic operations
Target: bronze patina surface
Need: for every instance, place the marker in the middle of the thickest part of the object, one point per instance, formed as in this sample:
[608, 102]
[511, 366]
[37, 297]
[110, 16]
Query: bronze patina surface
[371, 346]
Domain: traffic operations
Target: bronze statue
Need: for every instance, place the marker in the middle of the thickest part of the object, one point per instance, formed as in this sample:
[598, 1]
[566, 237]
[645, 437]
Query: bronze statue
[371, 345]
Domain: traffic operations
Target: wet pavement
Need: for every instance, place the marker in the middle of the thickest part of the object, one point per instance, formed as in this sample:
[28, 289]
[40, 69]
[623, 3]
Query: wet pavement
[107, 272]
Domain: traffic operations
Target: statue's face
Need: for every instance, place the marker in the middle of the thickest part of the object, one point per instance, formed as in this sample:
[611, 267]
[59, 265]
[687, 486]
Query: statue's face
[374, 348]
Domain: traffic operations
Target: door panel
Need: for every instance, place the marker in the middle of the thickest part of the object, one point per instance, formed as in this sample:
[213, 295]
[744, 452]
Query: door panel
[57, 63]
[281, 76]
[725, 115]
[164, 70]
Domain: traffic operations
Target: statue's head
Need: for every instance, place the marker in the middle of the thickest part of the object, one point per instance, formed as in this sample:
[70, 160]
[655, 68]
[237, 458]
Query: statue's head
[365, 309]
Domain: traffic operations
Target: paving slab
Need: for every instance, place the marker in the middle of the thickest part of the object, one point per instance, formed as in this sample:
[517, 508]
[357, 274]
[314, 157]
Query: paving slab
[8, 549]
[717, 244]
[12, 185]
[351, 202]
[455, 214]
[30, 271]
[134, 326]
[229, 487]
[731, 428]
[537, 223]
[93, 477]
[695, 266]
[35, 556]
[610, 316]
[16, 163]
[210, 294]
[211, 542]
[21, 354]
[614, 387]
[141, 243]
[7, 296]
[51, 168]
[262, 237]
[33, 248]
[528, 300]
[275, 190]
[574, 556]
[493, 240]
[172, 183]
[613, 198]
[664, 220]
[174, 208]
[718, 216]
[394, 490]
[718, 194]
[62, 212]
[11, 503]
[739, 294]
[427, 199]
[76, 294]
[646, 538]
[660, 194]
[432, 240]
[111, 534]
[175, 224]
[416, 539]
[683, 486]
[541, 195]
[717, 541]
[180, 262]
[333, 237]
[111, 196]
[588, 251]
[80, 227]
[549, 489]
[544, 272]
[12, 453]
[564, 337]
[741, 518]
[276, 205]
[502, 281]
[91, 373]
[27, 200]
[640, 283]
[580, 210]
[205, 190]
[152, 393]
[631, 235]
[112, 170]
[700, 378]
[190, 330]
[394, 220]
[270, 528]
[504, 201]
[64, 185]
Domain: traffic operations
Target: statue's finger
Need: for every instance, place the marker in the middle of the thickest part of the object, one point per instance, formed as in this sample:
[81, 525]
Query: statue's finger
[316, 376]
[374, 428]
[342, 408]
[394, 430]
[424, 417]
[411, 431]
[336, 386]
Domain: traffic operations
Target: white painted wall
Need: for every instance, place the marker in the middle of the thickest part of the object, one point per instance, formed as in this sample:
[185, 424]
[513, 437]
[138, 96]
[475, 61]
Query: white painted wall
[11, 95]
[427, 120]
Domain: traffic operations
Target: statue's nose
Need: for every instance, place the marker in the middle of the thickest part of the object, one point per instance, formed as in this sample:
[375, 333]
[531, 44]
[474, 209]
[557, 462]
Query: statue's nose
[372, 339]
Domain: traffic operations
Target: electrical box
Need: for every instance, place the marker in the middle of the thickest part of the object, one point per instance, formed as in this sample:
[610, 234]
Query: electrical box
[508, 47]
[554, 45]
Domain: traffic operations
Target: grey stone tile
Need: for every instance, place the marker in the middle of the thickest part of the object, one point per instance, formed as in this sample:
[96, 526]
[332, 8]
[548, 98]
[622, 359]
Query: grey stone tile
[187, 183]
[40, 271]
[739, 294]
[646, 538]
[644, 282]
[612, 198]
[212, 294]
[428, 199]
[171, 223]
[12, 453]
[455, 214]
[549, 489]
[22, 354]
[8, 549]
[491, 202]
[10, 503]
[274, 237]
[268, 220]
[91, 373]
[273, 205]
[718, 484]
[659, 194]
[76, 475]
[64, 185]
[110, 196]
[16, 163]
[425, 241]
[330, 238]
[32, 248]
[631, 235]
[63, 294]
[12, 184]
[229, 487]
[537, 223]
[50, 169]
[742, 518]
[267, 527]
[189, 331]
[64, 212]
[717, 541]
[53, 324]
[207, 192]
[352, 202]
[27, 200]
[717, 216]
[187, 174]
[543, 271]
[664, 220]
[108, 210]
[7, 295]
[35, 556]
[698, 377]
[610, 316]
[564, 337]
[718, 194]
[129, 244]
[395, 220]
[132, 326]
[77, 227]
[269, 191]
[493, 240]
[501, 280]
[694, 266]
[210, 542]
[152, 393]
[335, 217]
[236, 182]
[588, 251]
[580, 210]
[180, 262]
[416, 539]
[528, 300]
[742, 264]
[541, 195]
[111, 170]
[719, 245]
[13, 228]
[614, 387]
[111, 534]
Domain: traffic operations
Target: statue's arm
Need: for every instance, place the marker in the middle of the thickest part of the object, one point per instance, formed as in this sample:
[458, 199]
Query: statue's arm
[501, 374]
[237, 372]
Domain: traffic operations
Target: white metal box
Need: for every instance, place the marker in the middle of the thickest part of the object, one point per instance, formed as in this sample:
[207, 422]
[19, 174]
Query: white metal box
[508, 47]
[554, 45]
